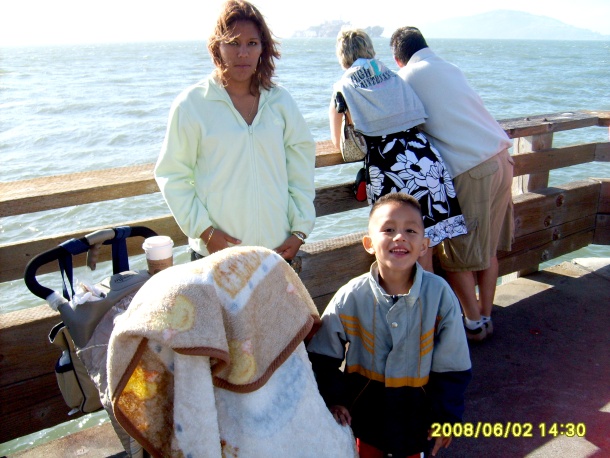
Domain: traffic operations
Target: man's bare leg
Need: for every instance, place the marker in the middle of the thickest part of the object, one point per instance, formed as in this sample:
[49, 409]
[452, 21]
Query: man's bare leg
[487, 280]
[463, 284]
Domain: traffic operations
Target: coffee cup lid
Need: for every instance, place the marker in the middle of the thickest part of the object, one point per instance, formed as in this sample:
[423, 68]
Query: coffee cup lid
[157, 241]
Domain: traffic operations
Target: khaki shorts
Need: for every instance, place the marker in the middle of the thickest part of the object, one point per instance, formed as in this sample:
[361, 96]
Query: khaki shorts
[484, 194]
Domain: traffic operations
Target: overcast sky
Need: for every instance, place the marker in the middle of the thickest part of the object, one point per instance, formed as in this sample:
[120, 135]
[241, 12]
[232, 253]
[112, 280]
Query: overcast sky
[85, 21]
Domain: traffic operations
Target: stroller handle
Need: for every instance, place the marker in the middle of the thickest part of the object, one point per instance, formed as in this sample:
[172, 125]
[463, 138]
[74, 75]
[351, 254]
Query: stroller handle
[104, 236]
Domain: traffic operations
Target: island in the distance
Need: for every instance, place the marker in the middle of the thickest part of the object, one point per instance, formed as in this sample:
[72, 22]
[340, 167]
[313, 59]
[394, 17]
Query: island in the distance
[497, 24]
[330, 29]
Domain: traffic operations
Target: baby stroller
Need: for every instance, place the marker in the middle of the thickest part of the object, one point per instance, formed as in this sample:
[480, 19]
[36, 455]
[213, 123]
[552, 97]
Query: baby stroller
[88, 313]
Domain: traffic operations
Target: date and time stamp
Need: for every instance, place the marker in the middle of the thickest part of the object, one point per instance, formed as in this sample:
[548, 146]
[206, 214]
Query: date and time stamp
[508, 429]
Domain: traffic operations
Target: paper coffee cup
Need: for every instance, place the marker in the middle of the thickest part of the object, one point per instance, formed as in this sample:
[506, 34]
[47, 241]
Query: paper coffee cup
[159, 253]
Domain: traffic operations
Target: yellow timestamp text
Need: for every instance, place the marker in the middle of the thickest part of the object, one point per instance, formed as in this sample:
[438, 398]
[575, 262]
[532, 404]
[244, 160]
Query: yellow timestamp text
[508, 429]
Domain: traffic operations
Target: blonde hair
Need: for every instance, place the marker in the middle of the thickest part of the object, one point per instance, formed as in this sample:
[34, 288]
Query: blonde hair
[353, 44]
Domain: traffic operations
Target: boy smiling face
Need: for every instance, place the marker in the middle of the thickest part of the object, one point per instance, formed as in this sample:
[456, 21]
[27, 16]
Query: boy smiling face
[396, 238]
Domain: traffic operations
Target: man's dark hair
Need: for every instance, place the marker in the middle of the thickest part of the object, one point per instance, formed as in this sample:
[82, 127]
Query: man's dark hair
[405, 42]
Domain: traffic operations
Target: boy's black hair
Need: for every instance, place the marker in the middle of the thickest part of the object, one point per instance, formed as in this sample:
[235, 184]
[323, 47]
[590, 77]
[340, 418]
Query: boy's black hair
[396, 197]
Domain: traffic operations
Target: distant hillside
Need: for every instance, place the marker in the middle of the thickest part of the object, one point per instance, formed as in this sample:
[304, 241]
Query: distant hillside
[331, 29]
[507, 24]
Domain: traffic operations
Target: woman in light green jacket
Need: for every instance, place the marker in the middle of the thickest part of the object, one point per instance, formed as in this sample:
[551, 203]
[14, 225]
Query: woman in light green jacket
[237, 163]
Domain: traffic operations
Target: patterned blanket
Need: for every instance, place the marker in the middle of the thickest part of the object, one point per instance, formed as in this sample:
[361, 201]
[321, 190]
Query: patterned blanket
[208, 361]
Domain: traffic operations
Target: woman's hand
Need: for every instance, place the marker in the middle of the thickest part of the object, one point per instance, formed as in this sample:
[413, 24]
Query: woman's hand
[289, 248]
[341, 415]
[218, 241]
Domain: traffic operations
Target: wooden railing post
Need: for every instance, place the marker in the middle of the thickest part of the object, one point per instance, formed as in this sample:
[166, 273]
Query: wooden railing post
[534, 181]
[529, 183]
[602, 221]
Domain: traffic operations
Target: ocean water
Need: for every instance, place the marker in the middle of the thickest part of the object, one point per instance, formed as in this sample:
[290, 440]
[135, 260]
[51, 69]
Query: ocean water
[68, 109]
[76, 108]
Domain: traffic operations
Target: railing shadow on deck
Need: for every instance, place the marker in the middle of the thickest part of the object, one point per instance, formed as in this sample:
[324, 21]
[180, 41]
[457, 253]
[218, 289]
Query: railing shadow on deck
[549, 222]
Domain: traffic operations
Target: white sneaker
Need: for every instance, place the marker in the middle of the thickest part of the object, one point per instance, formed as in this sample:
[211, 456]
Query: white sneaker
[489, 327]
[476, 335]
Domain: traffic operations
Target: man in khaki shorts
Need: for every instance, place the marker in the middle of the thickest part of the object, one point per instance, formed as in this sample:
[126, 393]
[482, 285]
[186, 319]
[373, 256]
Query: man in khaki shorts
[475, 150]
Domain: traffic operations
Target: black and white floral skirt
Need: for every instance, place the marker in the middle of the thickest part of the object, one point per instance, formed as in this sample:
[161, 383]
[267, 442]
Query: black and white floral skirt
[407, 162]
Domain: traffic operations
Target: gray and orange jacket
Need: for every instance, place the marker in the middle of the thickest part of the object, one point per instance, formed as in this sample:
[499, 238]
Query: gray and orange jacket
[407, 361]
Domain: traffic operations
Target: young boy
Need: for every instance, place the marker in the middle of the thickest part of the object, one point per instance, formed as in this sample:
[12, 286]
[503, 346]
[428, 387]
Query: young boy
[407, 363]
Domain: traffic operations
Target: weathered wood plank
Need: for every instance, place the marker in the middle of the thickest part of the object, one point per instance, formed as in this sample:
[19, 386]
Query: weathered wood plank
[330, 199]
[48, 193]
[20, 253]
[604, 195]
[24, 346]
[349, 259]
[327, 155]
[602, 230]
[532, 240]
[346, 256]
[29, 396]
[322, 301]
[336, 199]
[531, 258]
[603, 117]
[551, 207]
[32, 406]
[602, 222]
[554, 158]
[548, 207]
[602, 151]
[554, 122]
[532, 181]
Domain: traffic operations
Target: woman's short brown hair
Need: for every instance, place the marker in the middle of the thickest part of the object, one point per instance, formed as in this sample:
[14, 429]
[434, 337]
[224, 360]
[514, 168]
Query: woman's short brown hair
[239, 10]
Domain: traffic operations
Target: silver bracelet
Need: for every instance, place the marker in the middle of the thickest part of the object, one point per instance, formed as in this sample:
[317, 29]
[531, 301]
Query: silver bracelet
[209, 237]
[300, 235]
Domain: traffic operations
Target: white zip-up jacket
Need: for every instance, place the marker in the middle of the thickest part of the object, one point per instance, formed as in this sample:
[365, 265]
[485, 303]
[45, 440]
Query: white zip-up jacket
[458, 124]
[256, 183]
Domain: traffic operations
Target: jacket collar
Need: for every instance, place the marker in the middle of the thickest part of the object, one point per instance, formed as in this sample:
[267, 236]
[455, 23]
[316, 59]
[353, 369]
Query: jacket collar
[422, 54]
[214, 90]
[383, 297]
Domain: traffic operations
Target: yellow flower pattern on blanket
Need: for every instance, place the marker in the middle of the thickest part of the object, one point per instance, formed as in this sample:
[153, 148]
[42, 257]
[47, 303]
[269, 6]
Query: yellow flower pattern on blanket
[142, 386]
[234, 273]
[224, 332]
[243, 363]
[180, 317]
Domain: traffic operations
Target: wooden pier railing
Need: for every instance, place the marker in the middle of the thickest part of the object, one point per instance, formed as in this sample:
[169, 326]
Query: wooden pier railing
[549, 222]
